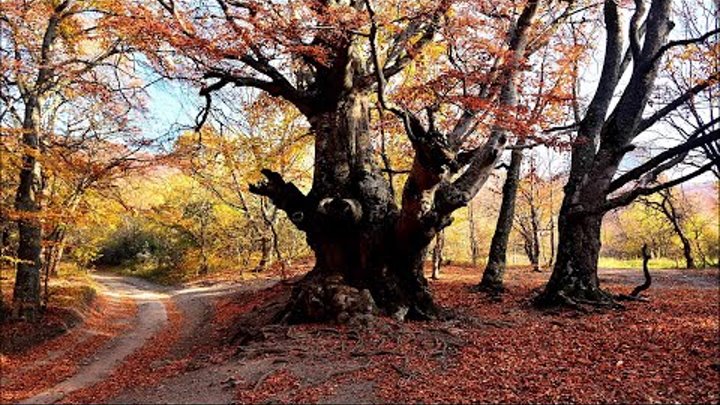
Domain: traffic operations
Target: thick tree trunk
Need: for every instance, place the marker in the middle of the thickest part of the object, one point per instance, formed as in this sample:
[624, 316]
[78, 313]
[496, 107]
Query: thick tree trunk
[574, 279]
[363, 265]
[26, 296]
[492, 279]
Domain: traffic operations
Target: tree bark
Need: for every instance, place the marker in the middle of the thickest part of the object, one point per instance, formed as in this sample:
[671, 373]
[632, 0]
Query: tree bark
[437, 258]
[492, 279]
[474, 245]
[26, 295]
[574, 279]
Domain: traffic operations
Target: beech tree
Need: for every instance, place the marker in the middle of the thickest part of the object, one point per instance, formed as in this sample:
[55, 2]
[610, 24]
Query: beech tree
[605, 135]
[330, 60]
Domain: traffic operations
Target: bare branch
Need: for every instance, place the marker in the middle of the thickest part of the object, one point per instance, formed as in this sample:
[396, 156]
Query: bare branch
[628, 197]
[681, 42]
[673, 105]
[640, 9]
[655, 162]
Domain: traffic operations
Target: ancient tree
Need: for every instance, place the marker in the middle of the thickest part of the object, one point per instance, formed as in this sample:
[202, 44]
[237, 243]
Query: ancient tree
[605, 136]
[331, 60]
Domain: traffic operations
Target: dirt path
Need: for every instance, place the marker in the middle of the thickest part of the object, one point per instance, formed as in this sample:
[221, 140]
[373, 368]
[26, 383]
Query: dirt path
[150, 318]
[207, 382]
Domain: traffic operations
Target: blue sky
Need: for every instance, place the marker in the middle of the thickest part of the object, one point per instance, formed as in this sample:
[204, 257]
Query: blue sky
[171, 106]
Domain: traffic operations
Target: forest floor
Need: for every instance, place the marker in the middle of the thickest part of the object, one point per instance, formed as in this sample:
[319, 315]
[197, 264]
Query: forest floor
[212, 342]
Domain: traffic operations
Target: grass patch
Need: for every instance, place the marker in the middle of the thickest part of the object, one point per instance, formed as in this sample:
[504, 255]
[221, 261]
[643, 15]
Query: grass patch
[655, 263]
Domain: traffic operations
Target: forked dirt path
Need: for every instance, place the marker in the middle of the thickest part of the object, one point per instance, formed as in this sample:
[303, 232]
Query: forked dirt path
[151, 317]
[153, 302]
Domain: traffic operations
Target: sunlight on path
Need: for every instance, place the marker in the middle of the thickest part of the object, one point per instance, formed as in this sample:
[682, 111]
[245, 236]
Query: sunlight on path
[151, 317]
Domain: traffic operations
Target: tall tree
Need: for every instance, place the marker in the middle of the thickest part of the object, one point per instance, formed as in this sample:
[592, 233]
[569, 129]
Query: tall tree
[605, 136]
[492, 278]
[52, 51]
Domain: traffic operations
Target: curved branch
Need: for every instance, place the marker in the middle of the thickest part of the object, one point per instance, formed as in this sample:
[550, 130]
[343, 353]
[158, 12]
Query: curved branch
[648, 280]
[628, 197]
[678, 150]
[681, 42]
[285, 195]
[673, 105]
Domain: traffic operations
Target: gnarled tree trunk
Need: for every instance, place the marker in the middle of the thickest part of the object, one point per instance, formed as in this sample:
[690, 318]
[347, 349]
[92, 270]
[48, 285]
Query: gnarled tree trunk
[351, 220]
[369, 252]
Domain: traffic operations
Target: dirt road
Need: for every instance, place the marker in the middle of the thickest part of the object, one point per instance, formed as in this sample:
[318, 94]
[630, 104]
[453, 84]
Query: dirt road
[151, 317]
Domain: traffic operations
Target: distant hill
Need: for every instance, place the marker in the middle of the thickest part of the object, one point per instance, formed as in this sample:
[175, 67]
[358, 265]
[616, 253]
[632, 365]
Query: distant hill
[705, 192]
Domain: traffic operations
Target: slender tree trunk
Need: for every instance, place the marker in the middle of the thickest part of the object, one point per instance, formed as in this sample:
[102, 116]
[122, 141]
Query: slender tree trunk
[26, 295]
[687, 250]
[551, 259]
[492, 279]
[265, 253]
[474, 246]
[535, 231]
[437, 257]
[54, 250]
[4, 243]
[673, 217]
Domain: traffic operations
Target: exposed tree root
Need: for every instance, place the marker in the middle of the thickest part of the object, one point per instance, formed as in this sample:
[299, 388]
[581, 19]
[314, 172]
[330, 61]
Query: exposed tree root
[577, 295]
[495, 292]
[648, 280]
[635, 294]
